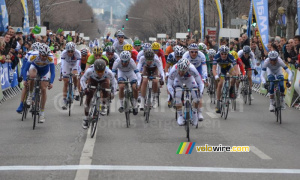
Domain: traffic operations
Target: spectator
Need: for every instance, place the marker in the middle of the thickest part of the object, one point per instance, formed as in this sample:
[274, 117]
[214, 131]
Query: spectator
[214, 45]
[256, 51]
[290, 54]
[245, 41]
[236, 42]
[2, 48]
[297, 43]
[7, 42]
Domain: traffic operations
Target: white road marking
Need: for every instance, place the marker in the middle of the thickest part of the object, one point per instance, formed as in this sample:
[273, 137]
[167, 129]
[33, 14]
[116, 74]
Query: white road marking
[212, 115]
[148, 168]
[86, 157]
[259, 153]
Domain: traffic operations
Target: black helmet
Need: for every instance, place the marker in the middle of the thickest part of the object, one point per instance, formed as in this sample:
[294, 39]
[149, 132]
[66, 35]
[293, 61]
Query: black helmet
[246, 49]
[149, 54]
[99, 65]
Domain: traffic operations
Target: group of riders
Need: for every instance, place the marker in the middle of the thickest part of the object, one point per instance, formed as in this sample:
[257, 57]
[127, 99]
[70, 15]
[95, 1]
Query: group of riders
[121, 61]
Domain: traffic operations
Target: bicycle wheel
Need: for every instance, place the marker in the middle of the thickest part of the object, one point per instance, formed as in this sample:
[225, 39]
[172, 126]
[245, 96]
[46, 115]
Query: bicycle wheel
[249, 95]
[81, 98]
[278, 106]
[127, 112]
[245, 95]
[35, 110]
[94, 121]
[187, 115]
[158, 96]
[25, 110]
[148, 105]
[108, 108]
[226, 108]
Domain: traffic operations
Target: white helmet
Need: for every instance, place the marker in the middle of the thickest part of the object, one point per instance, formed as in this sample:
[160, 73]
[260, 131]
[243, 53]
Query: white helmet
[273, 55]
[193, 46]
[211, 52]
[146, 46]
[35, 46]
[44, 50]
[125, 56]
[224, 49]
[202, 47]
[70, 46]
[176, 47]
[179, 51]
[183, 64]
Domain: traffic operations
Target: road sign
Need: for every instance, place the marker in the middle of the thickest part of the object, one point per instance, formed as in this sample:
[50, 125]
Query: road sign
[81, 35]
[211, 31]
[161, 36]
[236, 22]
[181, 35]
[231, 33]
[152, 39]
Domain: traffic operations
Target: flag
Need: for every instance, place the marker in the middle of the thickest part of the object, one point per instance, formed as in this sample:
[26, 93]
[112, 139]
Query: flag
[260, 8]
[26, 18]
[298, 14]
[59, 31]
[3, 16]
[37, 11]
[249, 21]
[201, 9]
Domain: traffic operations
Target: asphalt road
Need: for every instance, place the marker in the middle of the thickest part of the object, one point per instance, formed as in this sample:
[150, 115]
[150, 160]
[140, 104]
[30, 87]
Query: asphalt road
[61, 149]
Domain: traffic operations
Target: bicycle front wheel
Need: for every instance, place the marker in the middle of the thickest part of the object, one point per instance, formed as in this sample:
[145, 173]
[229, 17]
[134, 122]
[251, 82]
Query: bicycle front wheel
[245, 95]
[226, 108]
[187, 115]
[94, 121]
[36, 110]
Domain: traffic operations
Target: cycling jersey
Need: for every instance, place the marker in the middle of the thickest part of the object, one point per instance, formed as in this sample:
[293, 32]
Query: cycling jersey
[155, 64]
[226, 64]
[171, 59]
[161, 55]
[92, 59]
[246, 62]
[252, 56]
[234, 54]
[112, 60]
[134, 54]
[199, 62]
[91, 73]
[25, 59]
[72, 62]
[169, 50]
[43, 67]
[119, 47]
[130, 71]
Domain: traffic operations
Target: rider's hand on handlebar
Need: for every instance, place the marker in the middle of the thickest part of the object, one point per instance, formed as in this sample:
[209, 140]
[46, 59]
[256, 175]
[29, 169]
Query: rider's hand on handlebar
[288, 84]
[50, 86]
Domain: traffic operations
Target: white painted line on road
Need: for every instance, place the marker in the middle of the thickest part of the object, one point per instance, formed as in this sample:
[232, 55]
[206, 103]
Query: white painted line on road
[259, 153]
[86, 157]
[212, 115]
[148, 168]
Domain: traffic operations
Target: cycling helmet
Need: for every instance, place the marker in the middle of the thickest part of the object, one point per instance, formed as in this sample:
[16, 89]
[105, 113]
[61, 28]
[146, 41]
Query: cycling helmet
[147, 46]
[202, 47]
[246, 49]
[149, 54]
[173, 42]
[125, 56]
[70, 46]
[273, 55]
[183, 64]
[110, 49]
[44, 50]
[99, 65]
[179, 51]
[155, 46]
[211, 52]
[35, 46]
[97, 50]
[84, 52]
[120, 33]
[127, 47]
[193, 46]
[137, 42]
[224, 49]
[176, 47]
[108, 44]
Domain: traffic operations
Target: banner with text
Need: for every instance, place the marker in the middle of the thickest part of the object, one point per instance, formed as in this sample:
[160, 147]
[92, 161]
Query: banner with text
[260, 8]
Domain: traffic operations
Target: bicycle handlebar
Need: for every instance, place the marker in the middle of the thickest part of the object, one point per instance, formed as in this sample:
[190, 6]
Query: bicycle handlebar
[151, 77]
[278, 80]
[100, 88]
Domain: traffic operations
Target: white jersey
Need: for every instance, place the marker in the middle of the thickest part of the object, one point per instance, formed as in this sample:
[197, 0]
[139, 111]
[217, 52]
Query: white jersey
[91, 73]
[155, 63]
[118, 66]
[274, 69]
[119, 47]
[252, 56]
[191, 72]
[141, 54]
[200, 60]
[73, 61]
[116, 56]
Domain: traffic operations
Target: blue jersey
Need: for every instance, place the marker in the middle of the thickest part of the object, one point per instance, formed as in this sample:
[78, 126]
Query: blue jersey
[230, 61]
[171, 59]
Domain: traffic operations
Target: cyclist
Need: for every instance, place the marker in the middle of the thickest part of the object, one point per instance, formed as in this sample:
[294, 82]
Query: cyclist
[151, 66]
[273, 65]
[185, 73]
[146, 46]
[127, 70]
[134, 53]
[159, 52]
[84, 57]
[197, 58]
[98, 73]
[170, 48]
[97, 54]
[40, 63]
[172, 59]
[245, 56]
[111, 55]
[34, 47]
[137, 45]
[120, 42]
[227, 64]
[70, 58]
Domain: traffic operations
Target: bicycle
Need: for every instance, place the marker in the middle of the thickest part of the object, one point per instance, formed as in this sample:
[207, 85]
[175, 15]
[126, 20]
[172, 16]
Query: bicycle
[148, 104]
[70, 93]
[25, 105]
[94, 111]
[212, 88]
[36, 105]
[277, 102]
[225, 96]
[246, 89]
[128, 95]
[188, 113]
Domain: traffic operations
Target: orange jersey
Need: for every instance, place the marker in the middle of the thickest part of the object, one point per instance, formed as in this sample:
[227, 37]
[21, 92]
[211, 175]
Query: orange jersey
[169, 50]
[84, 62]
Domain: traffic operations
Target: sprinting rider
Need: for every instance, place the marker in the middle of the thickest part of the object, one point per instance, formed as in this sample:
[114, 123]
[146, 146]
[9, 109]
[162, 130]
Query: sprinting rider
[40, 63]
[111, 55]
[273, 65]
[97, 54]
[185, 73]
[159, 52]
[137, 45]
[133, 52]
[151, 66]
[198, 59]
[120, 42]
[70, 59]
[98, 73]
[227, 64]
[34, 47]
[127, 70]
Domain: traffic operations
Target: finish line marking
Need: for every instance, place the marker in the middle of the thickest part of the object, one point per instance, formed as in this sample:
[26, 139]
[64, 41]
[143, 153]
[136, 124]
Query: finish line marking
[148, 168]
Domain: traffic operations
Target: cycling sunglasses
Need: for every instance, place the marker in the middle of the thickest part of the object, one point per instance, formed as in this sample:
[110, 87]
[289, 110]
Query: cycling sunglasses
[70, 51]
[194, 52]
